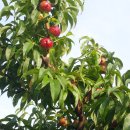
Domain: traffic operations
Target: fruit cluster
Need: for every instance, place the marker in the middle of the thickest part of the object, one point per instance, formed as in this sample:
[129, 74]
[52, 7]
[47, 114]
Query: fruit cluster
[103, 64]
[46, 42]
[63, 121]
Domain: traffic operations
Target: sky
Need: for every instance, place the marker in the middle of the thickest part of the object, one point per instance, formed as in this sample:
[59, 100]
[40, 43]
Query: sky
[108, 22]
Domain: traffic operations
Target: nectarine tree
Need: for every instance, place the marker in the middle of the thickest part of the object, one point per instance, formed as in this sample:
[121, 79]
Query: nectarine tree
[88, 93]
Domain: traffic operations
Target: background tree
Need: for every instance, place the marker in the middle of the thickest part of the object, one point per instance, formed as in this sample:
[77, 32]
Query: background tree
[87, 93]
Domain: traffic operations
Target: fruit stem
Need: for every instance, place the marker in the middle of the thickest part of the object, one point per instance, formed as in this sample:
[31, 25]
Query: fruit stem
[40, 35]
[46, 61]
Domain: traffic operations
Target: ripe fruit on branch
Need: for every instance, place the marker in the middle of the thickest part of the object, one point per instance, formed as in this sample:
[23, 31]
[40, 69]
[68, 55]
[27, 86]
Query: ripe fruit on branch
[45, 6]
[103, 64]
[63, 122]
[103, 60]
[55, 30]
[103, 68]
[46, 43]
[98, 89]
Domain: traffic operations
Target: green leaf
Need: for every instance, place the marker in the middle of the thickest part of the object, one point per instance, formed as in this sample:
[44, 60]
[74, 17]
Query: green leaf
[56, 2]
[2, 29]
[45, 81]
[63, 96]
[23, 115]
[34, 79]
[5, 2]
[42, 73]
[27, 47]
[71, 63]
[126, 77]
[23, 101]
[55, 89]
[8, 52]
[73, 8]
[103, 108]
[54, 20]
[64, 26]
[26, 65]
[120, 96]
[62, 81]
[111, 90]
[74, 90]
[21, 29]
[84, 41]
[37, 58]
[127, 82]
[16, 98]
[69, 34]
[126, 125]
[1, 52]
[118, 62]
[50, 74]
[99, 82]
[69, 19]
[34, 16]
[35, 3]
[80, 4]
[110, 114]
[118, 78]
[31, 72]
[123, 87]
[72, 3]
[94, 118]
[6, 11]
[81, 71]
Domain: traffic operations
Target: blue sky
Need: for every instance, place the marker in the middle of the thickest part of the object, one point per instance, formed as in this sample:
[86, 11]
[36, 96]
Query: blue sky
[108, 22]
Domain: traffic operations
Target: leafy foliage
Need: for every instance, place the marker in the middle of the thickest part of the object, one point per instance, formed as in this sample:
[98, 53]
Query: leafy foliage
[89, 91]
